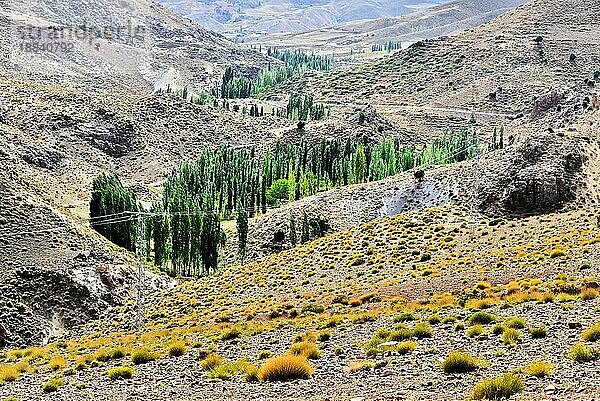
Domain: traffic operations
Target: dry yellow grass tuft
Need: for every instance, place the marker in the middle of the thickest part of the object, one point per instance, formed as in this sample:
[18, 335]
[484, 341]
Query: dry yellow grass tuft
[57, 363]
[306, 349]
[284, 368]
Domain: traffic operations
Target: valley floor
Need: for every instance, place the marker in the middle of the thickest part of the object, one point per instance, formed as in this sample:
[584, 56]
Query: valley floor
[415, 376]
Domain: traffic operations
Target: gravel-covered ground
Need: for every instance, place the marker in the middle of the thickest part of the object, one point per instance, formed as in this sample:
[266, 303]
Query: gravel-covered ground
[414, 376]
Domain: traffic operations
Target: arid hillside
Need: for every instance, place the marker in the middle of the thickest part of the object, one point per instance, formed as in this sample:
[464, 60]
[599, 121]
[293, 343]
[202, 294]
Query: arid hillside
[537, 63]
[115, 46]
[421, 24]
[376, 309]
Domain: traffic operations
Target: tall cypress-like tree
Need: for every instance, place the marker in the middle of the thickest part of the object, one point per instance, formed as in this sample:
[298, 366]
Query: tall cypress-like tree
[242, 232]
[109, 209]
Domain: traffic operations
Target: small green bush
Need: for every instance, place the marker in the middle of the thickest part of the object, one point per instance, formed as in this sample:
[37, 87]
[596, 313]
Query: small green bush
[592, 334]
[498, 329]
[52, 384]
[177, 348]
[123, 372]
[475, 331]
[515, 322]
[482, 318]
[142, 355]
[422, 330]
[582, 353]
[538, 332]
[498, 388]
[405, 317]
[539, 369]
[459, 362]
[264, 354]
[511, 336]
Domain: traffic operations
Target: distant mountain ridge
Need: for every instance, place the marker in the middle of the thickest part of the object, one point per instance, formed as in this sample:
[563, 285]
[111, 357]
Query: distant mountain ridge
[240, 17]
[426, 23]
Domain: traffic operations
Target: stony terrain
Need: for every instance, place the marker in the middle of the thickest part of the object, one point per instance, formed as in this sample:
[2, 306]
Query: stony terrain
[457, 269]
[536, 64]
[114, 46]
[427, 23]
[55, 272]
[247, 18]
[378, 303]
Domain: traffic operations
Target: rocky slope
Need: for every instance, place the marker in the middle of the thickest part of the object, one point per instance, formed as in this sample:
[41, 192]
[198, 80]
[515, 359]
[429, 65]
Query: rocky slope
[125, 46]
[55, 273]
[243, 18]
[426, 23]
[535, 66]
[352, 285]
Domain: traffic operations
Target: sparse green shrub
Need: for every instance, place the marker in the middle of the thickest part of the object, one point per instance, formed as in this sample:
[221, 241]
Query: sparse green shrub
[306, 349]
[582, 353]
[264, 354]
[482, 318]
[539, 369]
[177, 348]
[231, 333]
[475, 331]
[52, 384]
[434, 319]
[592, 334]
[511, 336]
[459, 362]
[227, 370]
[251, 373]
[57, 363]
[405, 317]
[515, 322]
[498, 329]
[498, 388]
[8, 373]
[422, 330]
[118, 353]
[284, 368]
[212, 361]
[538, 332]
[123, 372]
[142, 355]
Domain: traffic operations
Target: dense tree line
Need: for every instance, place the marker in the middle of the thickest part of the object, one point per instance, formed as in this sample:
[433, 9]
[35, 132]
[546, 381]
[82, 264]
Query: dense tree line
[110, 198]
[185, 226]
[234, 86]
[389, 46]
[303, 108]
[297, 58]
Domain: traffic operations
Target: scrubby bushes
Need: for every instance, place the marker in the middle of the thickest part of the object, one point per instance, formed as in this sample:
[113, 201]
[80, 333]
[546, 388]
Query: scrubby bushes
[482, 318]
[143, 355]
[538, 332]
[592, 334]
[306, 349]
[284, 368]
[582, 353]
[52, 384]
[123, 372]
[498, 388]
[8, 373]
[539, 369]
[460, 362]
[177, 348]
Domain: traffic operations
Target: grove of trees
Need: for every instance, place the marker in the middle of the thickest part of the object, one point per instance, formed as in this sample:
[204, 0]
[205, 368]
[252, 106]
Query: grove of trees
[184, 227]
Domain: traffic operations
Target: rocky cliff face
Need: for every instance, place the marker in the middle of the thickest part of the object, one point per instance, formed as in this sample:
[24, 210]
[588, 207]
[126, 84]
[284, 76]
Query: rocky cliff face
[54, 272]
